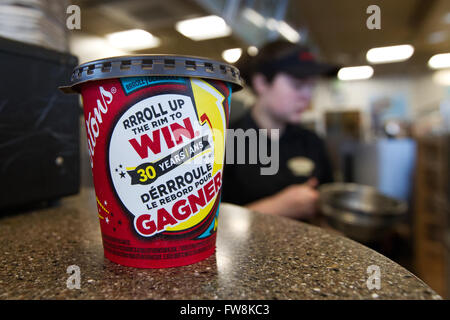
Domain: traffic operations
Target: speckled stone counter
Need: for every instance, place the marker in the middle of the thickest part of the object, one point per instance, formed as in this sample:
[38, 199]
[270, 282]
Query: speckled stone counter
[257, 257]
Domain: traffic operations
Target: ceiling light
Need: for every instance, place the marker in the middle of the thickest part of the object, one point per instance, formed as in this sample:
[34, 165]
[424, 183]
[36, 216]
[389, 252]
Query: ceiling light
[442, 77]
[254, 17]
[88, 48]
[439, 61]
[135, 39]
[203, 28]
[232, 55]
[355, 73]
[284, 29]
[390, 54]
[252, 51]
[272, 24]
[288, 32]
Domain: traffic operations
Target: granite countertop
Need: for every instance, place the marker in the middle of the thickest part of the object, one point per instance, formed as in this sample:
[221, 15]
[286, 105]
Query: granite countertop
[257, 257]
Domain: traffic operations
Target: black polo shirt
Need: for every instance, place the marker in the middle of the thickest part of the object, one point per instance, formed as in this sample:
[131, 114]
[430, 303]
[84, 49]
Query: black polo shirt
[302, 155]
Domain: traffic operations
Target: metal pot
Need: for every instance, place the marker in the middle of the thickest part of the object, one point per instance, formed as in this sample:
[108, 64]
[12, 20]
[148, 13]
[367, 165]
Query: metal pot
[359, 211]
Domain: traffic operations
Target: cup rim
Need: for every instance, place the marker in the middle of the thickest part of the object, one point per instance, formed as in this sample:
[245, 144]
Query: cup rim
[153, 65]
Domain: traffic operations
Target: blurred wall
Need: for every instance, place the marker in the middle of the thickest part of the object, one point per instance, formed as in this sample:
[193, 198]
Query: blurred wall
[420, 93]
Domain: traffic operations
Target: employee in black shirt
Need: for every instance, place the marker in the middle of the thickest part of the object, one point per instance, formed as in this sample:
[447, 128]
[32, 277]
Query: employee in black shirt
[282, 76]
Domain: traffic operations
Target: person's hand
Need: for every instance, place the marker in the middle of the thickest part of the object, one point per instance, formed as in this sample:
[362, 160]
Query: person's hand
[297, 201]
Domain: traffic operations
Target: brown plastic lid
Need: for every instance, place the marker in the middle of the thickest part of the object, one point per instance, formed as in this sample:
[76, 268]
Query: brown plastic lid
[153, 65]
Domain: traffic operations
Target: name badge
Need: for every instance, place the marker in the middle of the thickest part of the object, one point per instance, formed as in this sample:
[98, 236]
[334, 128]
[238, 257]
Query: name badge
[301, 166]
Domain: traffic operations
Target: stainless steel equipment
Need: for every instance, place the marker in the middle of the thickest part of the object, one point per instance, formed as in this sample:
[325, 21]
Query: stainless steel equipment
[359, 211]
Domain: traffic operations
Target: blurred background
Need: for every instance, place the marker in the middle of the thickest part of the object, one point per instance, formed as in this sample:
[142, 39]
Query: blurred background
[386, 124]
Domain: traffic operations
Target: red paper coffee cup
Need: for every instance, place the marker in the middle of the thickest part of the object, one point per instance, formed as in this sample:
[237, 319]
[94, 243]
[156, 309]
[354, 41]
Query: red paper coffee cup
[156, 129]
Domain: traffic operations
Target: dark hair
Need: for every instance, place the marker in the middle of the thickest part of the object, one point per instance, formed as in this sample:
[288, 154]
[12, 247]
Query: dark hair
[272, 51]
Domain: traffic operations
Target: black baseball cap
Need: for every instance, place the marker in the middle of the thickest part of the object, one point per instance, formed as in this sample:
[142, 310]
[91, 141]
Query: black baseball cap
[284, 57]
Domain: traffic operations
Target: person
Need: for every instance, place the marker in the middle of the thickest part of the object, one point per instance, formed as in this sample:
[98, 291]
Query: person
[282, 76]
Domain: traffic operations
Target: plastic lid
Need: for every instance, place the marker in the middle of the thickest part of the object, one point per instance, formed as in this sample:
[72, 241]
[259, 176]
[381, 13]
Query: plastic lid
[153, 65]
